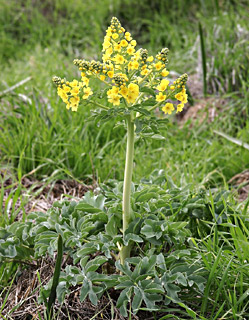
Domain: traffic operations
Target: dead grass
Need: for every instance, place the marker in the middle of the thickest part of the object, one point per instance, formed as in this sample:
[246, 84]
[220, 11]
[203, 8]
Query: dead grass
[39, 196]
[241, 183]
[22, 303]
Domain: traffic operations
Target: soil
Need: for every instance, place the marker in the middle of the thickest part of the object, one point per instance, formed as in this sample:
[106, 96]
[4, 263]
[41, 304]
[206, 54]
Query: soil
[240, 183]
[40, 195]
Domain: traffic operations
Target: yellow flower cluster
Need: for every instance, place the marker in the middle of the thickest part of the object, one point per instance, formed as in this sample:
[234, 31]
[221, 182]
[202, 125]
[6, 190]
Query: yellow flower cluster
[183, 98]
[128, 72]
[69, 92]
[129, 93]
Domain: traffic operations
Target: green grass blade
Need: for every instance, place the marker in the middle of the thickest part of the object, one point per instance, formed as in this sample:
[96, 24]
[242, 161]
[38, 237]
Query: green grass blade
[221, 286]
[233, 140]
[209, 282]
[204, 63]
[56, 277]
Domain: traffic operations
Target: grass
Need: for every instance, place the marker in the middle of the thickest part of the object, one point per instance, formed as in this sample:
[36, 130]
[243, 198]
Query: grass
[53, 145]
[40, 39]
[62, 143]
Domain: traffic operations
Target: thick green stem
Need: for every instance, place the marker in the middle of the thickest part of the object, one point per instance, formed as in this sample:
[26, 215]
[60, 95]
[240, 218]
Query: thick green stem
[126, 206]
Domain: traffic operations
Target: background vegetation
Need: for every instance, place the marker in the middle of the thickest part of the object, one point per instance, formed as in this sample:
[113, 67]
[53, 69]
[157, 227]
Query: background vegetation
[41, 38]
[39, 137]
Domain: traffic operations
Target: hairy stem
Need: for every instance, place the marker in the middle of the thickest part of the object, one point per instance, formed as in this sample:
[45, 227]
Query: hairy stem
[126, 205]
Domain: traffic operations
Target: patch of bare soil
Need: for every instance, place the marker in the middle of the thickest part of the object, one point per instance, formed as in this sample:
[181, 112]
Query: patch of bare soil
[40, 195]
[204, 108]
[195, 85]
[241, 182]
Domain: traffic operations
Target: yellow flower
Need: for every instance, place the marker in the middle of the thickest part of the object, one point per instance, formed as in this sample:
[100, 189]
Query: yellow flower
[159, 65]
[179, 96]
[133, 92]
[114, 99]
[74, 102]
[164, 73]
[160, 97]
[105, 57]
[180, 107]
[144, 72]
[109, 51]
[168, 108]
[110, 74]
[75, 91]
[130, 65]
[123, 69]
[115, 36]
[134, 88]
[117, 47]
[130, 50]
[64, 97]
[87, 92]
[183, 97]
[73, 83]
[85, 81]
[123, 43]
[133, 65]
[119, 59]
[163, 85]
[124, 91]
[137, 54]
[66, 88]
[106, 44]
[131, 98]
[113, 91]
[150, 59]
[128, 36]
[134, 43]
[109, 31]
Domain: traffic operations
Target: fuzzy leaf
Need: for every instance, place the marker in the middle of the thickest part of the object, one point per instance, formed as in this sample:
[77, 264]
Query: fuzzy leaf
[123, 298]
[84, 290]
[61, 291]
[86, 250]
[137, 300]
[95, 263]
[112, 225]
[132, 237]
